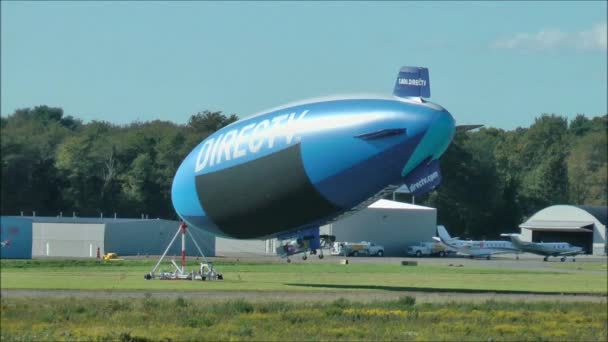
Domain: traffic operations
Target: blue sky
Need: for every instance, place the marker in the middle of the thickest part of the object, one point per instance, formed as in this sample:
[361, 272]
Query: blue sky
[499, 64]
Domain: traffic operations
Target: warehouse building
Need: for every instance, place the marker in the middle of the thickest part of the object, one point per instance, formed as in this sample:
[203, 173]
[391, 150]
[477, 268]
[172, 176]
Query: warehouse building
[394, 225]
[583, 226]
[30, 237]
[227, 247]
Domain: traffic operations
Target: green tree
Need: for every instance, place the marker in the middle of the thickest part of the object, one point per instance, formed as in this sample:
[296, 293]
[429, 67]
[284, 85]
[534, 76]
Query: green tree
[30, 182]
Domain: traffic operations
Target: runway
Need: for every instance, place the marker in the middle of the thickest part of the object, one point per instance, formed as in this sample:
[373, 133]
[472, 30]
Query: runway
[593, 264]
[421, 297]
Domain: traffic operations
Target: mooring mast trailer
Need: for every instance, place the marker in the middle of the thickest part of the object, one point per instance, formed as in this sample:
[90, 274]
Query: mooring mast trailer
[206, 271]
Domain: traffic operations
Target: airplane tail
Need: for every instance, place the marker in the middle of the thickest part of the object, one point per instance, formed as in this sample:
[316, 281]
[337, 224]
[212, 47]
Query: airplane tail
[515, 239]
[443, 233]
[412, 82]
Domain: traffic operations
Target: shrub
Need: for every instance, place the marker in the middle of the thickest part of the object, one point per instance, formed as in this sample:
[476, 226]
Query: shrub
[406, 301]
[341, 303]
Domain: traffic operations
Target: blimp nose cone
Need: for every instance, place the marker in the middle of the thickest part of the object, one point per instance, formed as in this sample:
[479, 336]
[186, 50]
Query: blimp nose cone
[439, 133]
[444, 128]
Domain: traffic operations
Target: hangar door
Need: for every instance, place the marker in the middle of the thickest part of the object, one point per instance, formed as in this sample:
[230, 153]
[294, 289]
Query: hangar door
[582, 237]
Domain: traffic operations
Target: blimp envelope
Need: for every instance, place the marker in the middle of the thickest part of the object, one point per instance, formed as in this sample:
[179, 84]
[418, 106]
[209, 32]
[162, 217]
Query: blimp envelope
[301, 165]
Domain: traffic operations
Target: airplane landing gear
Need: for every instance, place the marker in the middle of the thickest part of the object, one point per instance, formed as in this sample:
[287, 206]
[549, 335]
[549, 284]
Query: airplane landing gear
[545, 258]
[573, 259]
[304, 257]
[562, 259]
[488, 257]
[321, 256]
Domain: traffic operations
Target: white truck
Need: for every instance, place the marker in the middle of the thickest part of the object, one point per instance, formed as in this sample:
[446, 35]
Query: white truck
[428, 249]
[357, 249]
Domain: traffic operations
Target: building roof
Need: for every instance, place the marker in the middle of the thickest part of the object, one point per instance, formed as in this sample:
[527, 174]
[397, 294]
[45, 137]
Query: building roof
[86, 220]
[599, 212]
[387, 204]
[542, 224]
[564, 226]
[567, 217]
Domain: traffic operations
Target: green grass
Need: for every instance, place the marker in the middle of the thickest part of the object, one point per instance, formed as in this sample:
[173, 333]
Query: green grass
[144, 319]
[242, 276]
[579, 266]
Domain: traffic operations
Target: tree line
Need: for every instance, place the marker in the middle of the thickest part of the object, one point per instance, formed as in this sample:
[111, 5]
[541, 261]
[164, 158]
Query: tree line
[493, 178]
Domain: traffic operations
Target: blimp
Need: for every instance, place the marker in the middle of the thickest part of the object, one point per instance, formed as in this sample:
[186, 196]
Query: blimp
[293, 168]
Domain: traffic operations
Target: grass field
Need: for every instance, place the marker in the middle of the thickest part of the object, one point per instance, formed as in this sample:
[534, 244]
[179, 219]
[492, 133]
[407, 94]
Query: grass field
[242, 276]
[90, 318]
[144, 319]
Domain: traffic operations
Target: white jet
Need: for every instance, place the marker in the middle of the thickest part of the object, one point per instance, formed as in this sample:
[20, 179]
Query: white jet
[475, 249]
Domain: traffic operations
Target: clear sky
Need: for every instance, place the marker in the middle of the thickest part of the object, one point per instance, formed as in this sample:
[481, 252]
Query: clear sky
[499, 64]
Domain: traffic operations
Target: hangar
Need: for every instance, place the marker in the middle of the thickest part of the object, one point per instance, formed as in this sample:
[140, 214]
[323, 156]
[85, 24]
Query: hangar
[25, 237]
[580, 225]
[394, 225]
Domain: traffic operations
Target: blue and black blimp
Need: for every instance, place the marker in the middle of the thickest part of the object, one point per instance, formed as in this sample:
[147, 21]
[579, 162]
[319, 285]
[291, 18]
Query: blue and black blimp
[291, 169]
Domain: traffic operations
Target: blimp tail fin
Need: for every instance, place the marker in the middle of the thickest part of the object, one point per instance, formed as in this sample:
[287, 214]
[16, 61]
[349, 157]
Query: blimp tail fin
[413, 82]
[424, 178]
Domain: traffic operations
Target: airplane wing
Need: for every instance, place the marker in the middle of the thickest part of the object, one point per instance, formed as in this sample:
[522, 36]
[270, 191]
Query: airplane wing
[446, 242]
[571, 253]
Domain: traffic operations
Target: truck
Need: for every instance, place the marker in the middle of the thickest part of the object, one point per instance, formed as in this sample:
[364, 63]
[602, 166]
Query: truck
[428, 249]
[357, 249]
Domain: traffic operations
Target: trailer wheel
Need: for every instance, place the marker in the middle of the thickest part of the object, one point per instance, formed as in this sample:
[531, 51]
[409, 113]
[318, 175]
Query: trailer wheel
[418, 254]
[355, 253]
[380, 253]
[441, 254]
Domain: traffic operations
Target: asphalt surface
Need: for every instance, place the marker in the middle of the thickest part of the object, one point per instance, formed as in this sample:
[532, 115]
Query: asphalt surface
[526, 261]
[215, 296]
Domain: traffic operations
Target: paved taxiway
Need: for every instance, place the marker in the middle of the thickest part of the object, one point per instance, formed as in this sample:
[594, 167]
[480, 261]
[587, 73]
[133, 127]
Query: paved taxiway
[421, 297]
[526, 261]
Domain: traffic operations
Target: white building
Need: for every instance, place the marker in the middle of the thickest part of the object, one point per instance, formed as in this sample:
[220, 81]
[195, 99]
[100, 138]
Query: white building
[583, 226]
[394, 225]
[243, 248]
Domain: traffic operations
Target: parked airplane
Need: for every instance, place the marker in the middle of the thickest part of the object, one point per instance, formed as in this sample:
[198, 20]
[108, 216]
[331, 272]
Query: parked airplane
[296, 167]
[475, 249]
[305, 242]
[554, 249]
